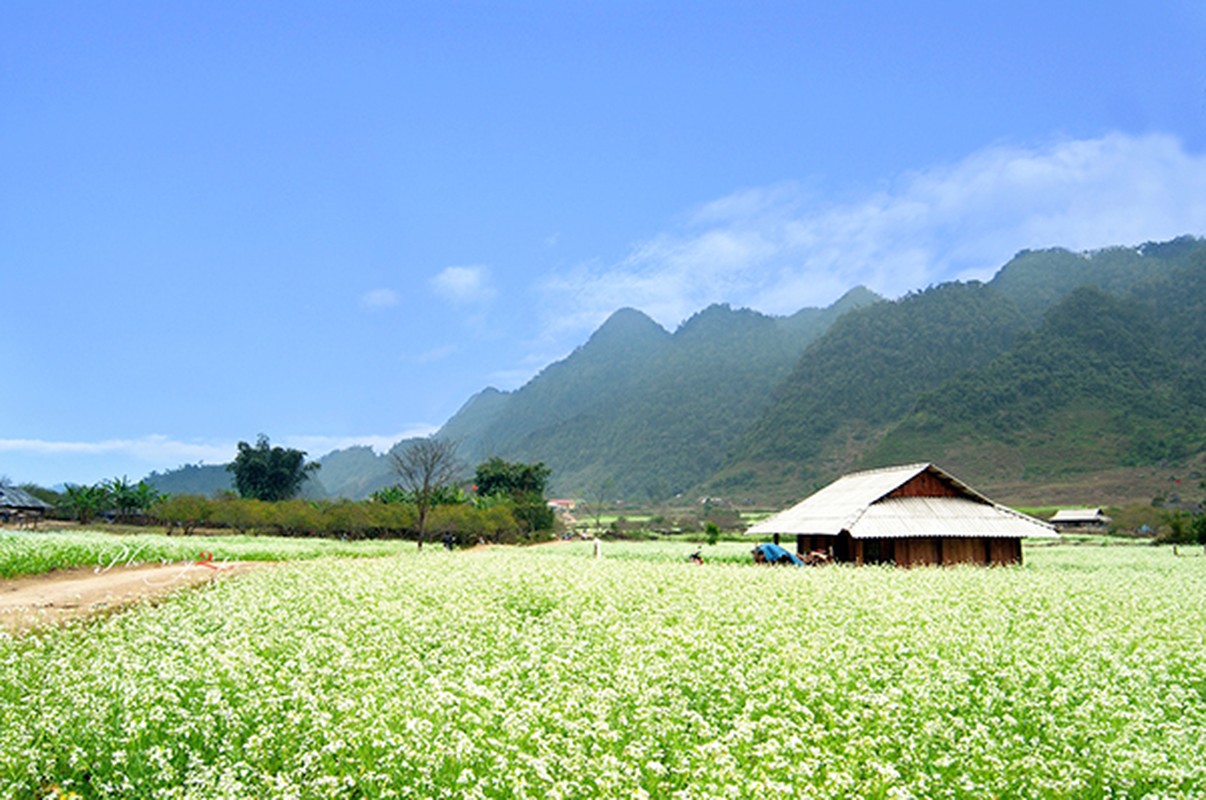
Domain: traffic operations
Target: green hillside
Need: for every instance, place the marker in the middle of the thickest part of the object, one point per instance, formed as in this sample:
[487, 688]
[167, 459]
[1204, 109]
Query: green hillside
[1063, 364]
[596, 376]
[210, 480]
[1093, 388]
[873, 364]
[203, 479]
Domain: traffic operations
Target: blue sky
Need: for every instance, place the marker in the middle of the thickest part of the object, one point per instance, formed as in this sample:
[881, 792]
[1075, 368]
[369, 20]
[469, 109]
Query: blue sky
[334, 222]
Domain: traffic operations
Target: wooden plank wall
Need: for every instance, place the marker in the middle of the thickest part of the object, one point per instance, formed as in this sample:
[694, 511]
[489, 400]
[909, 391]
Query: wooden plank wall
[926, 485]
[918, 552]
[1003, 552]
[926, 550]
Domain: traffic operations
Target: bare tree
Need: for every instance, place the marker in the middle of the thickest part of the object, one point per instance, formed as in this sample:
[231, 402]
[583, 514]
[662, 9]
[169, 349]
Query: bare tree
[423, 468]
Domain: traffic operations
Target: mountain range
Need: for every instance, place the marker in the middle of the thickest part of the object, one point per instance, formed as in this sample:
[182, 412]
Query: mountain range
[1063, 369]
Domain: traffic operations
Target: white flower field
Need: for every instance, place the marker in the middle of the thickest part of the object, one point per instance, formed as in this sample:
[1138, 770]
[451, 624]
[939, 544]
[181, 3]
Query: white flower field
[543, 672]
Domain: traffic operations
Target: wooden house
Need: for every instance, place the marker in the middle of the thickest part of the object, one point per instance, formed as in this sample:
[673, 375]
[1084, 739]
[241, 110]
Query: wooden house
[18, 504]
[911, 515]
[1080, 519]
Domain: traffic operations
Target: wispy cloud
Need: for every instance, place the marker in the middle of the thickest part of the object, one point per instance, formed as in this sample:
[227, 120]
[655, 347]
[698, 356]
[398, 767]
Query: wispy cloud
[316, 446]
[152, 449]
[377, 299]
[778, 249]
[464, 285]
[156, 452]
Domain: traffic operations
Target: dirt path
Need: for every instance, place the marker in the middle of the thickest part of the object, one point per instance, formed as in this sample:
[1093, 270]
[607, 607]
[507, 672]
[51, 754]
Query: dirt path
[37, 600]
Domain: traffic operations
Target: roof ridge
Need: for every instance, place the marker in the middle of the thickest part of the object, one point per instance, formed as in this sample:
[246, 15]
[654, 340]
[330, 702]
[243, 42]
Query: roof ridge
[918, 465]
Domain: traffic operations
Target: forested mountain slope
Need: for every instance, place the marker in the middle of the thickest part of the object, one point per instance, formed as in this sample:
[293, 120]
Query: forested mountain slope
[873, 364]
[640, 412]
[1109, 374]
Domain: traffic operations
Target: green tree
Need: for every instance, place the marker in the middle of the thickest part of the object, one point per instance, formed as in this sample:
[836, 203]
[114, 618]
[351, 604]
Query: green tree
[524, 484]
[85, 502]
[425, 469]
[1199, 529]
[495, 476]
[130, 499]
[269, 473]
[1178, 527]
[184, 511]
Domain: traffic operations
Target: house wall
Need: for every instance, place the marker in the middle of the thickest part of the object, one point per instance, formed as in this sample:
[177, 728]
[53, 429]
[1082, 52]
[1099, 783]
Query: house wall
[924, 551]
[918, 551]
[926, 485]
[1003, 552]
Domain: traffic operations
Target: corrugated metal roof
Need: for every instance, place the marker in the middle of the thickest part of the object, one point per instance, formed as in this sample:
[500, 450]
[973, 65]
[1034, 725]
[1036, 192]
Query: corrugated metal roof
[12, 497]
[856, 503]
[944, 516]
[1079, 515]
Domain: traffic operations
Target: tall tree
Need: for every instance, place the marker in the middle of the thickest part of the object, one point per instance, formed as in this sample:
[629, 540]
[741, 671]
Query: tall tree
[523, 483]
[85, 502]
[495, 476]
[128, 498]
[424, 469]
[269, 473]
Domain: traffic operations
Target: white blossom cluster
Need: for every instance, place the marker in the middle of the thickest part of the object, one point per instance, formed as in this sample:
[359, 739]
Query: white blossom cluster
[25, 553]
[506, 674]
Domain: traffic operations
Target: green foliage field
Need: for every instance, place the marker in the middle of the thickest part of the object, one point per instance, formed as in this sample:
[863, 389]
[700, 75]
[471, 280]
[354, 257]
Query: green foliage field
[545, 672]
[26, 553]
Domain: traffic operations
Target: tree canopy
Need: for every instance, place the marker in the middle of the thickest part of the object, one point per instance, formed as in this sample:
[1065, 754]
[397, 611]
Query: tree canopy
[496, 476]
[521, 484]
[268, 473]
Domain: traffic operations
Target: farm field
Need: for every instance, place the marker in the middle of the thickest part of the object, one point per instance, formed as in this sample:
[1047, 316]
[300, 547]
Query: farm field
[32, 553]
[544, 672]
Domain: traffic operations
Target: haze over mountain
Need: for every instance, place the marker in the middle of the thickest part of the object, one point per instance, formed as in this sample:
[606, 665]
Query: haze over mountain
[1063, 364]
[640, 412]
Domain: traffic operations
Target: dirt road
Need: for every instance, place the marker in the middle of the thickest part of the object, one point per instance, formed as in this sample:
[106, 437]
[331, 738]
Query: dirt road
[38, 600]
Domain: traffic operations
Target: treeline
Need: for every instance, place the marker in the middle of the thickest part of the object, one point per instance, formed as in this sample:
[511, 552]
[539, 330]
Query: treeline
[430, 501]
[464, 522]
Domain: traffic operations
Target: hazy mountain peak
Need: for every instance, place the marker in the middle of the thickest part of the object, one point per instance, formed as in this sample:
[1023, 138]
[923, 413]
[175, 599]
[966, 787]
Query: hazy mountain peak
[855, 298]
[628, 323]
[719, 318]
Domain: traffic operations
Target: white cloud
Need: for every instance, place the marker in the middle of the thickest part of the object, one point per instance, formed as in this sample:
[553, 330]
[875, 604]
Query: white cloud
[152, 449]
[50, 462]
[377, 299]
[318, 446]
[778, 249]
[464, 285]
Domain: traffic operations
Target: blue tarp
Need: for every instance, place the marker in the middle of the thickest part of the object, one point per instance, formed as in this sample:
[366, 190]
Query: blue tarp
[775, 554]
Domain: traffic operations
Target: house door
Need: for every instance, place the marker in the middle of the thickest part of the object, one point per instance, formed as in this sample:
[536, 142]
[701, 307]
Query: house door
[843, 548]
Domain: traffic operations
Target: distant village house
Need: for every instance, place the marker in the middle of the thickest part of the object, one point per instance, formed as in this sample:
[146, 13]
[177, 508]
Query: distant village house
[18, 505]
[1081, 519]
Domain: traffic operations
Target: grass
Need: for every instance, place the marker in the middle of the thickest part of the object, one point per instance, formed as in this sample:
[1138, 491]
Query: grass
[543, 672]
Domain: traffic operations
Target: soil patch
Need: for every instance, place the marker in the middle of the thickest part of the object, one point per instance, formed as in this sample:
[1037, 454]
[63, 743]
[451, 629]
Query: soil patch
[34, 601]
